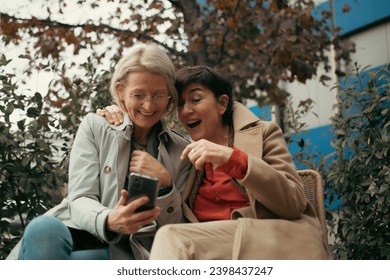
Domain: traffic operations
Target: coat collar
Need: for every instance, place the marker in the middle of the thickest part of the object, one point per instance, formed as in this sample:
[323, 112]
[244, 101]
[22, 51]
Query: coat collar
[128, 125]
[242, 117]
[247, 131]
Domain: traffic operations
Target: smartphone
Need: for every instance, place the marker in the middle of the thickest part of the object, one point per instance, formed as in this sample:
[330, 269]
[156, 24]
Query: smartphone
[143, 185]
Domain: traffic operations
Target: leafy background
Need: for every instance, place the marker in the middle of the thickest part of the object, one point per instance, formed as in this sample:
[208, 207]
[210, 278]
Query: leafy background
[260, 44]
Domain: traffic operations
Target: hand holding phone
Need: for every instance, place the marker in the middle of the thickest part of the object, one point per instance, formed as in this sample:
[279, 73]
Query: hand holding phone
[143, 185]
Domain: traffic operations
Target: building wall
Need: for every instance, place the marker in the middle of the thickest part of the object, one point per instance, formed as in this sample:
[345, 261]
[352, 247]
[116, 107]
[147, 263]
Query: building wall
[367, 24]
[372, 49]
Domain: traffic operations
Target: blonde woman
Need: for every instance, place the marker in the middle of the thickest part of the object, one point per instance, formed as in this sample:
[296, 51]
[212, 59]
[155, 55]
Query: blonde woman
[95, 220]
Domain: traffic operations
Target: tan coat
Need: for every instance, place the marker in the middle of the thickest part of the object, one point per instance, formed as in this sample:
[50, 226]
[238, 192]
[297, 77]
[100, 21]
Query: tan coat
[279, 222]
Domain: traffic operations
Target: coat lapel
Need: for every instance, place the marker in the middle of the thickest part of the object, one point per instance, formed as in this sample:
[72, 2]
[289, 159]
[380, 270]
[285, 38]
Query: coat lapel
[247, 131]
[123, 158]
[123, 136]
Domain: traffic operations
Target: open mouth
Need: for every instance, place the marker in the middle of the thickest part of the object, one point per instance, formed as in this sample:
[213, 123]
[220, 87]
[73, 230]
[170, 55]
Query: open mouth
[194, 124]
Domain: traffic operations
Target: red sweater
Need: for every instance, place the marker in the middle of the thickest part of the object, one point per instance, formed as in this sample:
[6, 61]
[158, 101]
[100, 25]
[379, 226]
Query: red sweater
[218, 196]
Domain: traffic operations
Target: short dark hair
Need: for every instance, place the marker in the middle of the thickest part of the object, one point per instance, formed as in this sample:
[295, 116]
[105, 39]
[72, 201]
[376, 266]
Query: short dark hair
[211, 79]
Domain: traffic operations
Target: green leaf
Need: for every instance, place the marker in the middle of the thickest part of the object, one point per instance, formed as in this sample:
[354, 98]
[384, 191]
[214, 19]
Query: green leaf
[32, 112]
[37, 98]
[9, 109]
[21, 124]
[25, 161]
[4, 61]
[340, 131]
[25, 56]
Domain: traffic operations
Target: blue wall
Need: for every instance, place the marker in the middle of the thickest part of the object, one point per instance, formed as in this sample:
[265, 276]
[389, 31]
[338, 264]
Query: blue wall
[264, 113]
[362, 14]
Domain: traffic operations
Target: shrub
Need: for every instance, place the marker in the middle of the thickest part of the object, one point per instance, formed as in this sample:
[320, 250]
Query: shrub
[30, 174]
[294, 128]
[360, 167]
[35, 145]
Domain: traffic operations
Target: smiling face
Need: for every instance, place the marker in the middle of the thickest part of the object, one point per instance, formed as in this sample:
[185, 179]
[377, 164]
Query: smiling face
[147, 113]
[200, 113]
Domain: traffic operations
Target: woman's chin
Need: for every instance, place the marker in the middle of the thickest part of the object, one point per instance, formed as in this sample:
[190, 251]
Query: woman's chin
[195, 136]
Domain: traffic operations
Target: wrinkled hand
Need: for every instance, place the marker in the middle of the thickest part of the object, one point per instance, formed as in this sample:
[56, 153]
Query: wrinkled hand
[203, 151]
[123, 218]
[144, 163]
[112, 114]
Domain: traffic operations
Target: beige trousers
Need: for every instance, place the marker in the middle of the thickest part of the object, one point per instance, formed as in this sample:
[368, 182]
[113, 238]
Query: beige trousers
[245, 238]
[197, 241]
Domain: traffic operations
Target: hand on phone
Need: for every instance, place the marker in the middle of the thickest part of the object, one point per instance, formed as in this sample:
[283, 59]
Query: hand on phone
[124, 219]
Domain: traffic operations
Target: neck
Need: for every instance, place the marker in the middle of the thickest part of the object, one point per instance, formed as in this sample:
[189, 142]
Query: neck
[141, 136]
[222, 137]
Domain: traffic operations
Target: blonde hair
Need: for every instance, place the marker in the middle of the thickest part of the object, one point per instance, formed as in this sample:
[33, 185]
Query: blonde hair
[145, 57]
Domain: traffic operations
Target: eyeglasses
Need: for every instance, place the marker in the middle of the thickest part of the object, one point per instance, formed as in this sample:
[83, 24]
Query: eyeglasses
[156, 99]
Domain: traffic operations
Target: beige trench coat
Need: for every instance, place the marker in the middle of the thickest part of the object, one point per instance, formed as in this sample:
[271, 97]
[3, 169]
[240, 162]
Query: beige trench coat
[279, 222]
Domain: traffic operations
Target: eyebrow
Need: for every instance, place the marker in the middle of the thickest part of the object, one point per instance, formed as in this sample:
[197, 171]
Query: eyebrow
[193, 90]
[159, 91]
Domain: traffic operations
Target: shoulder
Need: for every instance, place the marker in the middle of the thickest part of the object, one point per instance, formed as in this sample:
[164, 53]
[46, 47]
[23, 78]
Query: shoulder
[95, 123]
[271, 130]
[243, 118]
[269, 125]
[172, 135]
[95, 119]
[177, 138]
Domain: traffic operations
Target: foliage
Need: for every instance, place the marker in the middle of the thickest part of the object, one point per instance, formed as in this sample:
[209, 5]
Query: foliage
[85, 92]
[294, 131]
[34, 150]
[240, 37]
[27, 169]
[360, 169]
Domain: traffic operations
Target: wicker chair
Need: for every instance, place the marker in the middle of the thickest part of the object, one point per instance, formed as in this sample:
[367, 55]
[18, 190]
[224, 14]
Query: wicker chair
[314, 191]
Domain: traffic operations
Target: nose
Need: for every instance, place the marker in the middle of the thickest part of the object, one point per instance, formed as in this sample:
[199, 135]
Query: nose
[148, 102]
[148, 98]
[186, 109]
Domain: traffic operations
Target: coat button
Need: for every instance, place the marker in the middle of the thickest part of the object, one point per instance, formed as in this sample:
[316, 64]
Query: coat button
[107, 169]
[170, 209]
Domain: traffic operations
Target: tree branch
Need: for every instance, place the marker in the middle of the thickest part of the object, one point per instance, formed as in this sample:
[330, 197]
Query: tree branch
[226, 33]
[87, 27]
